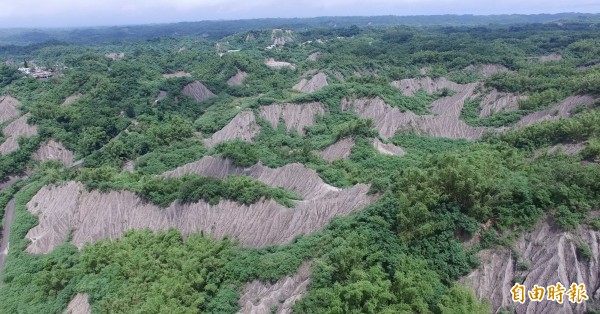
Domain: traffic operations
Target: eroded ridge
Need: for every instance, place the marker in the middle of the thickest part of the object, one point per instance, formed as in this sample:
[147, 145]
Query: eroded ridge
[338, 150]
[198, 91]
[91, 215]
[243, 126]
[497, 101]
[389, 120]
[295, 116]
[13, 131]
[551, 256]
[316, 83]
[260, 298]
[79, 305]
[558, 111]
[9, 108]
[52, 150]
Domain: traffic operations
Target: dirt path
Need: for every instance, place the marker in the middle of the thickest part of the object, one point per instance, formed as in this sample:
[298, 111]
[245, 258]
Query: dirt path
[8, 219]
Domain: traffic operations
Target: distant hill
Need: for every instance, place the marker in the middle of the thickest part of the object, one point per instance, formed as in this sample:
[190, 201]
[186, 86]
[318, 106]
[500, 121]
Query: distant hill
[220, 29]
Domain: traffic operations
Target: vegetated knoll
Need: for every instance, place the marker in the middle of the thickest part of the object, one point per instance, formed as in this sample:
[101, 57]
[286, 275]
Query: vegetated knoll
[389, 120]
[177, 74]
[316, 83]
[243, 126]
[8, 108]
[15, 129]
[279, 64]
[497, 101]
[295, 116]
[52, 150]
[198, 91]
[79, 305]
[259, 297]
[545, 256]
[560, 110]
[237, 79]
[92, 215]
[339, 150]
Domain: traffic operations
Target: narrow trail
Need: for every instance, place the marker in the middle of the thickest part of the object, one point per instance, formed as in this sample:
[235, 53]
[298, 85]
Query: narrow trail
[9, 214]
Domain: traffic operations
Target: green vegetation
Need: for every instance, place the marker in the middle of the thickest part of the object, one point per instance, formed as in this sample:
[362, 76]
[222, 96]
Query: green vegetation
[403, 253]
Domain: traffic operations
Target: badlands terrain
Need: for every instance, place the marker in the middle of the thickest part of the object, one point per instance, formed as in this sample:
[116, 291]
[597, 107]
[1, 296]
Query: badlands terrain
[307, 168]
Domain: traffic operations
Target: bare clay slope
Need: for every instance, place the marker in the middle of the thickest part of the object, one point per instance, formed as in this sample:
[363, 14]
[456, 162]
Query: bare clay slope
[15, 129]
[295, 116]
[271, 63]
[8, 108]
[177, 74]
[389, 120]
[71, 99]
[198, 91]
[387, 149]
[552, 257]
[237, 79]
[79, 305]
[316, 83]
[497, 101]
[339, 150]
[93, 215]
[410, 86]
[260, 298]
[560, 110]
[242, 127]
[52, 150]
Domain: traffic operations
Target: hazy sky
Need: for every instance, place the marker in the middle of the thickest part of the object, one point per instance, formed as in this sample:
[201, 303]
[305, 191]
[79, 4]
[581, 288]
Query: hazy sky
[36, 13]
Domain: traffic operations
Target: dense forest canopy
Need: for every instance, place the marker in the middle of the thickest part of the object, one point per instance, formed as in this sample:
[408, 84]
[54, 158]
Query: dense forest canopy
[132, 120]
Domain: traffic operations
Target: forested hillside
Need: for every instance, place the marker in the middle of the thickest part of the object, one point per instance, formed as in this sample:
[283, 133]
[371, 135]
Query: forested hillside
[312, 169]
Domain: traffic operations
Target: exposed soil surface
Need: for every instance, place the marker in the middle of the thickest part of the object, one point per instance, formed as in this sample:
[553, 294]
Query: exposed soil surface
[13, 131]
[497, 101]
[52, 150]
[69, 100]
[339, 150]
[260, 298]
[90, 216]
[198, 91]
[161, 95]
[551, 256]
[177, 74]
[242, 127]
[551, 57]
[316, 83]
[115, 55]
[79, 305]
[279, 64]
[238, 78]
[569, 149]
[314, 56]
[487, 70]
[387, 149]
[410, 86]
[9, 214]
[560, 110]
[9, 108]
[295, 116]
[389, 120]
